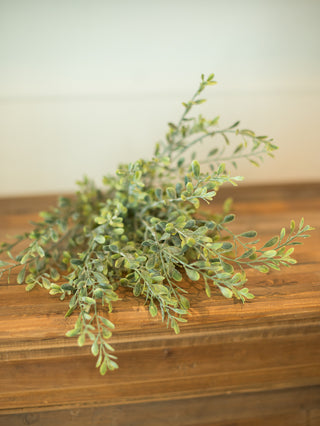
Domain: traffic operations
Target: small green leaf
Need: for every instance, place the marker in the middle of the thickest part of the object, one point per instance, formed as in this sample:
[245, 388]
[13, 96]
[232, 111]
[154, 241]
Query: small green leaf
[160, 289]
[176, 275]
[30, 286]
[98, 293]
[158, 193]
[118, 231]
[77, 262]
[221, 169]
[225, 137]
[207, 289]
[213, 152]
[195, 168]
[184, 302]
[40, 251]
[99, 360]
[112, 365]
[72, 333]
[238, 148]
[54, 274]
[229, 218]
[255, 163]
[200, 101]
[153, 310]
[247, 253]
[137, 290]
[158, 279]
[100, 239]
[180, 162]
[175, 326]
[227, 246]
[109, 347]
[189, 188]
[249, 234]
[70, 310]
[271, 242]
[81, 340]
[191, 242]
[192, 274]
[107, 322]
[250, 296]
[270, 253]
[289, 251]
[171, 192]
[25, 258]
[21, 275]
[67, 287]
[262, 268]
[103, 368]
[46, 283]
[226, 292]
[100, 220]
[227, 267]
[95, 348]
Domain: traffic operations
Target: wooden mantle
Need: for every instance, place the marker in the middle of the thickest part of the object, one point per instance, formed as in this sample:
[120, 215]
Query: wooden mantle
[232, 364]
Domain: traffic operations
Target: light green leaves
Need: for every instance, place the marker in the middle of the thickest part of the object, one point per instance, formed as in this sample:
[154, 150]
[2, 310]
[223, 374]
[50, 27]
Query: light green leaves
[158, 193]
[176, 275]
[226, 292]
[249, 234]
[192, 274]
[73, 332]
[81, 340]
[195, 168]
[40, 251]
[21, 275]
[145, 230]
[103, 368]
[107, 322]
[100, 239]
[270, 253]
[30, 286]
[229, 218]
[227, 267]
[25, 258]
[95, 348]
[271, 242]
[207, 289]
[261, 268]
[293, 224]
[153, 309]
[171, 192]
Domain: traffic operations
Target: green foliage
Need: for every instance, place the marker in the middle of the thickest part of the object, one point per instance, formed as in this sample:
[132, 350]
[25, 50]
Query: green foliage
[141, 232]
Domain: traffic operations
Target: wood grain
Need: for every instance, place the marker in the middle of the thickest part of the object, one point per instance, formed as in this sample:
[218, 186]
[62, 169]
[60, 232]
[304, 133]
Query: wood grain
[232, 364]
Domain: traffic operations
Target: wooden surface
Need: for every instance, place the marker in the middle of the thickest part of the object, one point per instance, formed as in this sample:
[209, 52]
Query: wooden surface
[232, 364]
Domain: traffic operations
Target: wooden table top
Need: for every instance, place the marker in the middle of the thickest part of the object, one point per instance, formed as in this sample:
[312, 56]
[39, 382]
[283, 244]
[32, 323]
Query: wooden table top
[40, 368]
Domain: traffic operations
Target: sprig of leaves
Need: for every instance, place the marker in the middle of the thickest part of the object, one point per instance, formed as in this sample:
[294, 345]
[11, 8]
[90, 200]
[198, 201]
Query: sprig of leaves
[191, 131]
[143, 231]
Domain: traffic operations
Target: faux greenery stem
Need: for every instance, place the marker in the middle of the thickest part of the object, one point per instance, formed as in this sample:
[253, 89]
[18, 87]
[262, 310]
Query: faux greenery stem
[143, 232]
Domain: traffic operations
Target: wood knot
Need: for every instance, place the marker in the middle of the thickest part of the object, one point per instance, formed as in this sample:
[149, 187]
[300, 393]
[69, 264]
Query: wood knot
[31, 419]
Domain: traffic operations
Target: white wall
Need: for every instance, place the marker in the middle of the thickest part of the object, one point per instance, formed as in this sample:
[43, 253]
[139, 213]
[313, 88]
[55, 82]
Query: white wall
[85, 85]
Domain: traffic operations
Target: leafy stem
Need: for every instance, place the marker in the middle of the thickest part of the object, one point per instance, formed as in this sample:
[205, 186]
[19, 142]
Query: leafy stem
[142, 231]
